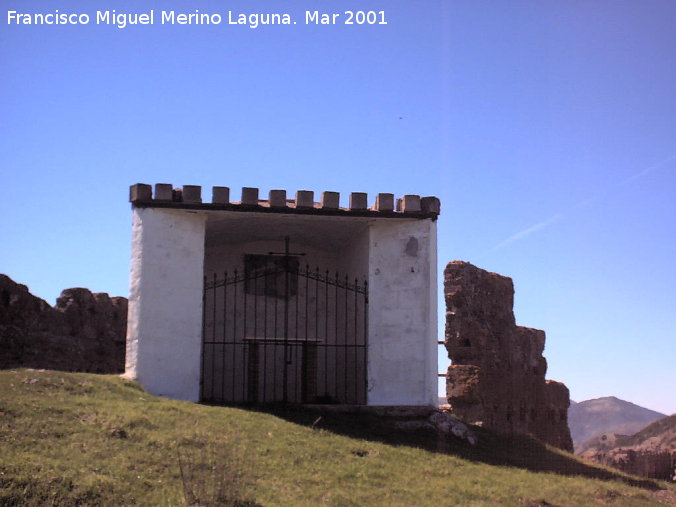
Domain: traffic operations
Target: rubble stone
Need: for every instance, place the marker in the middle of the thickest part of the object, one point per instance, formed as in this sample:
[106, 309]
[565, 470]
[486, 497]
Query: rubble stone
[83, 332]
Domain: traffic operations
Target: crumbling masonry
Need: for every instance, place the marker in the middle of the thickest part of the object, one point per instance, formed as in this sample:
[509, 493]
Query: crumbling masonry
[83, 332]
[497, 375]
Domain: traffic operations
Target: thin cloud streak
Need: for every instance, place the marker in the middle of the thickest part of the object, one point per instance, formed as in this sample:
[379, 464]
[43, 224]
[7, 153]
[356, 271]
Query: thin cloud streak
[648, 170]
[530, 230]
[583, 203]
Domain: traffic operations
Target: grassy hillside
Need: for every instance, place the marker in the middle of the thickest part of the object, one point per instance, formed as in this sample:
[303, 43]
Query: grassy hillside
[79, 439]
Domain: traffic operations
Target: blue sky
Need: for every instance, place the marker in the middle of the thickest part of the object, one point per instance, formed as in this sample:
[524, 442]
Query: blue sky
[546, 128]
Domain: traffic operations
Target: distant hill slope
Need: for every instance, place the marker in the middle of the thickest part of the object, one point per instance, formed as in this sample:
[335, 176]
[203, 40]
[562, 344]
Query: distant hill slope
[647, 453]
[657, 436]
[591, 418]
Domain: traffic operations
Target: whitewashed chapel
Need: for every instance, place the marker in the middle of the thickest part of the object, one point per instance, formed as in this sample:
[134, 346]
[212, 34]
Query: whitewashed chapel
[283, 300]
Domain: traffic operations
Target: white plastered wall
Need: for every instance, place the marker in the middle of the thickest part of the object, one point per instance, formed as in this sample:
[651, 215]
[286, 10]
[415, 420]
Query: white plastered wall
[402, 363]
[164, 330]
[165, 304]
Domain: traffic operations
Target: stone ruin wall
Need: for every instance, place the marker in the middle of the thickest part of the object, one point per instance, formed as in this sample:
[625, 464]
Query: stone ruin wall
[84, 332]
[645, 463]
[497, 375]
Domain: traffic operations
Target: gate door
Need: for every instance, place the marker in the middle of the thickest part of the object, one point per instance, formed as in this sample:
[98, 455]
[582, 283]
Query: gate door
[279, 332]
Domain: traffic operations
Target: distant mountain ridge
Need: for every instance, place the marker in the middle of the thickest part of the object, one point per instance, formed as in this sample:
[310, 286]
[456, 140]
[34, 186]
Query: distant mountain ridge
[592, 418]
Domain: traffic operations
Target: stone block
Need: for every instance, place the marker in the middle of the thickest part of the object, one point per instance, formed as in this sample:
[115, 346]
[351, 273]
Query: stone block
[384, 202]
[177, 195]
[140, 192]
[305, 199]
[410, 204]
[430, 205]
[358, 201]
[192, 194]
[250, 195]
[220, 195]
[277, 198]
[163, 191]
[330, 200]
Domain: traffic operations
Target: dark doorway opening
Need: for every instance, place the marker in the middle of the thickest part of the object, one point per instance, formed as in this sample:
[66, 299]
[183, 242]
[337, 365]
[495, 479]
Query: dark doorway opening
[282, 332]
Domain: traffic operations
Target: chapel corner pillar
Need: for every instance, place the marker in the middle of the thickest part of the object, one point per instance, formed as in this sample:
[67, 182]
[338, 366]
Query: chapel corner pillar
[432, 342]
[164, 325]
[402, 364]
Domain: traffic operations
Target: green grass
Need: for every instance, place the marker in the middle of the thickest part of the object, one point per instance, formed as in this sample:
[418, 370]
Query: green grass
[80, 439]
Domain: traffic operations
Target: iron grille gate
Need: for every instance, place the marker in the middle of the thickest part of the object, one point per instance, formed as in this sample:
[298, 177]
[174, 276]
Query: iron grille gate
[282, 333]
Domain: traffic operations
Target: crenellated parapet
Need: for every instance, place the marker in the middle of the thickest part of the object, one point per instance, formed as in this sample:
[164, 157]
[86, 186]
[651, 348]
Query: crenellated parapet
[190, 197]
